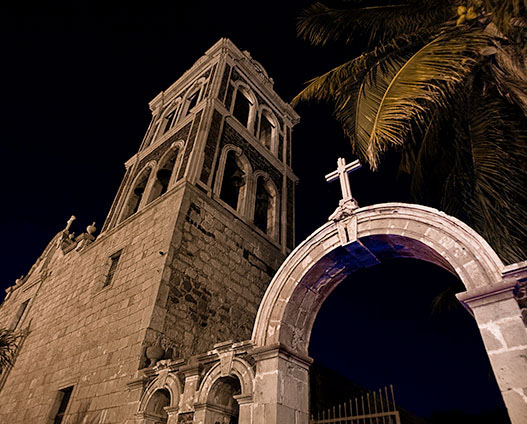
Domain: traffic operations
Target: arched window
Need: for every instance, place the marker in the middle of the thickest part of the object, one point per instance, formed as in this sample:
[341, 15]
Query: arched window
[267, 130]
[243, 105]
[136, 194]
[155, 408]
[170, 118]
[164, 173]
[265, 207]
[192, 100]
[193, 97]
[234, 178]
[150, 135]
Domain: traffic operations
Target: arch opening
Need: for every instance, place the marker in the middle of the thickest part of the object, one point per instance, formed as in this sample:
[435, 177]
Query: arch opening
[136, 194]
[164, 173]
[364, 237]
[155, 408]
[341, 263]
[381, 326]
[234, 178]
[243, 105]
[222, 405]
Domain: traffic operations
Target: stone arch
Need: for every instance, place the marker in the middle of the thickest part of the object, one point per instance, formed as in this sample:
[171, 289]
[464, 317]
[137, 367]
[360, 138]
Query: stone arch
[219, 375]
[242, 89]
[170, 116]
[166, 170]
[240, 369]
[193, 96]
[138, 191]
[364, 237]
[152, 129]
[273, 209]
[161, 385]
[338, 248]
[242, 207]
[267, 131]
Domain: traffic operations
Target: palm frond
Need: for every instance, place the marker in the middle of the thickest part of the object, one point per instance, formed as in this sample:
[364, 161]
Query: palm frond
[427, 149]
[510, 76]
[8, 345]
[508, 16]
[319, 24]
[325, 87]
[486, 187]
[404, 94]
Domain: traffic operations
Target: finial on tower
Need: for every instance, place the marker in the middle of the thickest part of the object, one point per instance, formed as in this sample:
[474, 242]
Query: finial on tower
[69, 222]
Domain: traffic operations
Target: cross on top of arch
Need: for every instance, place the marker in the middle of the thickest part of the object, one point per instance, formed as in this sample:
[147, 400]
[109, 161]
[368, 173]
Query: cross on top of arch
[347, 204]
[341, 173]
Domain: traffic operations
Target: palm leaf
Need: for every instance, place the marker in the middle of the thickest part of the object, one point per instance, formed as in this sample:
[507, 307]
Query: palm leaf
[325, 87]
[320, 24]
[8, 345]
[510, 76]
[486, 187]
[404, 94]
[508, 16]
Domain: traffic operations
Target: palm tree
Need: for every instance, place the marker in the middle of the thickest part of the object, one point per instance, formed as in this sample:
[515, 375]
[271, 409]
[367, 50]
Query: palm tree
[9, 341]
[444, 84]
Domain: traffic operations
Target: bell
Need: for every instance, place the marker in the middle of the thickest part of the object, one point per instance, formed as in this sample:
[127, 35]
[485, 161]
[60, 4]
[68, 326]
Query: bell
[237, 179]
[163, 176]
[138, 191]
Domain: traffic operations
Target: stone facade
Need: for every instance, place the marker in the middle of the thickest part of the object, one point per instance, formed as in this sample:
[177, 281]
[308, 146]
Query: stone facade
[176, 268]
[181, 310]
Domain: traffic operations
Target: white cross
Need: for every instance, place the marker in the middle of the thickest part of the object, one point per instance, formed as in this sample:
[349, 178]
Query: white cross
[342, 174]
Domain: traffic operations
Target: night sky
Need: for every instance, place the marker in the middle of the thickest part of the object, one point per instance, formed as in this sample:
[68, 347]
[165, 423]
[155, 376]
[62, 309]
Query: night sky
[76, 85]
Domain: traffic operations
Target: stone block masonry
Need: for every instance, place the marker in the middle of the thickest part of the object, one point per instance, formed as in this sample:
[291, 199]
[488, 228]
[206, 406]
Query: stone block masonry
[218, 272]
[81, 333]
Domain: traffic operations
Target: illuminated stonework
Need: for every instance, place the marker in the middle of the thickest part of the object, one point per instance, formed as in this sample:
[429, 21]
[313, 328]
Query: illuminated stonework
[183, 309]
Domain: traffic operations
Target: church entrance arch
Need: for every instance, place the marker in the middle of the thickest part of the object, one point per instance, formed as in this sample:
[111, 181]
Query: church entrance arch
[358, 238]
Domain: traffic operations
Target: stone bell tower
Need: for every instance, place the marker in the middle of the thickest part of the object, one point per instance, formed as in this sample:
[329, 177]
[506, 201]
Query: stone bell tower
[203, 218]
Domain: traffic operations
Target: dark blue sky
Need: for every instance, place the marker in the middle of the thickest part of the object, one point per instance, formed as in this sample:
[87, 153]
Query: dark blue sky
[77, 82]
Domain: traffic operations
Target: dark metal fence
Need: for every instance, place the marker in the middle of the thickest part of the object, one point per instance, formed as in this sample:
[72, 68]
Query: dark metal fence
[377, 407]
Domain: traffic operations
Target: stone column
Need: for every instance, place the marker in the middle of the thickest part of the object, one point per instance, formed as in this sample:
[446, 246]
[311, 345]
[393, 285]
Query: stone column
[246, 408]
[172, 412]
[499, 319]
[186, 410]
[136, 387]
[281, 393]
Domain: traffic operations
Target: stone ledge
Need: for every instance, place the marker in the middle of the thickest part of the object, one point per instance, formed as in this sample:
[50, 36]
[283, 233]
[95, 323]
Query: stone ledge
[488, 294]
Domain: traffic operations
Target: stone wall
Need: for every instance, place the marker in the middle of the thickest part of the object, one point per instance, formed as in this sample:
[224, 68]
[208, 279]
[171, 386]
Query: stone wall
[84, 335]
[217, 273]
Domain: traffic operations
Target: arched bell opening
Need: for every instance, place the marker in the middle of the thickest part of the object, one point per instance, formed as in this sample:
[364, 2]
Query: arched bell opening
[155, 408]
[164, 174]
[266, 208]
[136, 194]
[234, 180]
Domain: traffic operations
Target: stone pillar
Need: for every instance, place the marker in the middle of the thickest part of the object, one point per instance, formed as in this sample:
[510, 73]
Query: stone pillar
[246, 408]
[136, 387]
[172, 412]
[281, 393]
[191, 373]
[499, 319]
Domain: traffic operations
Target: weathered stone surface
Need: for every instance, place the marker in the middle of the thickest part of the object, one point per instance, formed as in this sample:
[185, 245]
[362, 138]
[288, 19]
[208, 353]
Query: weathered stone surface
[190, 273]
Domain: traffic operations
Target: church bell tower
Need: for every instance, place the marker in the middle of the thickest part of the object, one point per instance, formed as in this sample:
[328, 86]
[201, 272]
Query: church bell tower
[202, 220]
[215, 168]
